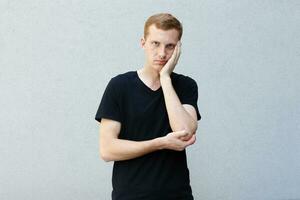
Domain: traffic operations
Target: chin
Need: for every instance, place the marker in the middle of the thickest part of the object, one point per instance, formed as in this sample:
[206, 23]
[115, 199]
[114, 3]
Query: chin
[157, 67]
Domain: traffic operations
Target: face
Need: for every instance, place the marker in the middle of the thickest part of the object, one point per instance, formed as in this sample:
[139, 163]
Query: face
[159, 46]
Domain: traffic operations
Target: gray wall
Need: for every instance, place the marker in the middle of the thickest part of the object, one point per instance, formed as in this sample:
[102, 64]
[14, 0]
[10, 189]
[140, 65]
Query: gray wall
[56, 58]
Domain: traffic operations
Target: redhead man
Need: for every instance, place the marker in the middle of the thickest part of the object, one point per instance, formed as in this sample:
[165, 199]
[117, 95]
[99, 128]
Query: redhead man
[148, 118]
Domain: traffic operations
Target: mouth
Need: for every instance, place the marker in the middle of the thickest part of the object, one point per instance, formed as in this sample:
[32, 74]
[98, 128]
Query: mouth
[160, 62]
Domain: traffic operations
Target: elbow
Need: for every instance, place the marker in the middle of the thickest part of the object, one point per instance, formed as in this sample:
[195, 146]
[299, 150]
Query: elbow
[194, 127]
[105, 156]
[190, 128]
[190, 125]
[105, 150]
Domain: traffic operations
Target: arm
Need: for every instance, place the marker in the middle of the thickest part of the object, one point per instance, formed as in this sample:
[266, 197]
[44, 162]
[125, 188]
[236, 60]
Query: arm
[114, 149]
[181, 117]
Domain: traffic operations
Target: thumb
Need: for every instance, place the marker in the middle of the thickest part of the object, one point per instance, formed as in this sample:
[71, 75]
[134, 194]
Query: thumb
[181, 133]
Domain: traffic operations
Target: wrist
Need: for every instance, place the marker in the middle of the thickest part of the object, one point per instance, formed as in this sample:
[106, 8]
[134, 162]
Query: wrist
[165, 77]
[160, 143]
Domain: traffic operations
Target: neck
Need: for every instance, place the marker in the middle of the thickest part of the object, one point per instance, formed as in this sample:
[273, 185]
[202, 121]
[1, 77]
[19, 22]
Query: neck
[150, 73]
[149, 76]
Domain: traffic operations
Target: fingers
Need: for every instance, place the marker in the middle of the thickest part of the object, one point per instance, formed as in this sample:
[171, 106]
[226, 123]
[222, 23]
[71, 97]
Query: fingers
[184, 134]
[174, 140]
[172, 62]
[192, 140]
[177, 51]
[180, 134]
[185, 138]
[174, 54]
[189, 142]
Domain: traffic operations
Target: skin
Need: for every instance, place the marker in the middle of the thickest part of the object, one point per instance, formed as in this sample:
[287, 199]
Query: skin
[165, 45]
[159, 45]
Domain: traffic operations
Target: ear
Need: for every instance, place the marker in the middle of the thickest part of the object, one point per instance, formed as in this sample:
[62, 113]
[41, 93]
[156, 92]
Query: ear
[143, 41]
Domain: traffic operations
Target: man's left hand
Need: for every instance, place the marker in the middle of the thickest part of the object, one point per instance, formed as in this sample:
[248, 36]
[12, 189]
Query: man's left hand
[170, 65]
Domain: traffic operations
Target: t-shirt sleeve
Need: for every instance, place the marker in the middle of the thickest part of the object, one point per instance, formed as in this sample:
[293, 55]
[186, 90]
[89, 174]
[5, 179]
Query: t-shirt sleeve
[110, 103]
[188, 93]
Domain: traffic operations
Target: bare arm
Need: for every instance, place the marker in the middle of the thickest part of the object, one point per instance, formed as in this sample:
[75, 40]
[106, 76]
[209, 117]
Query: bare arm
[181, 117]
[114, 149]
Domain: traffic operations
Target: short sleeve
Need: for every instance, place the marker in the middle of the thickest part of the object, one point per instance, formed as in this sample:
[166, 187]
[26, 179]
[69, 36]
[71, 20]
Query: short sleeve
[188, 93]
[110, 103]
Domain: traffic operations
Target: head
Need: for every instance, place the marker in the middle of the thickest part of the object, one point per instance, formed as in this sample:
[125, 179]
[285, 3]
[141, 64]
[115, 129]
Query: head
[161, 34]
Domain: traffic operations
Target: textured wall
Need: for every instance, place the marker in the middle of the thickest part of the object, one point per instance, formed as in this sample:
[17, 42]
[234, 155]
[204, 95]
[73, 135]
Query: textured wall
[56, 58]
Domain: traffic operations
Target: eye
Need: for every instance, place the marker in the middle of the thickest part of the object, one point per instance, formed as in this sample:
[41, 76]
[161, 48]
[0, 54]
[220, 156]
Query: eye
[155, 43]
[170, 46]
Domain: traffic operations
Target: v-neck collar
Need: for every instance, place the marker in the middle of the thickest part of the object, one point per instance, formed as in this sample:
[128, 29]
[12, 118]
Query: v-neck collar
[143, 85]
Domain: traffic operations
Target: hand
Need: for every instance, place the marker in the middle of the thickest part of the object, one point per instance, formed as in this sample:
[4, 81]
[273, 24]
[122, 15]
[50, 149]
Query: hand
[172, 140]
[170, 65]
[187, 137]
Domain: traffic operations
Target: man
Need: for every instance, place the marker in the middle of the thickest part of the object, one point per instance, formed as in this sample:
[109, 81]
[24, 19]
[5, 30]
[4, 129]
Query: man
[147, 119]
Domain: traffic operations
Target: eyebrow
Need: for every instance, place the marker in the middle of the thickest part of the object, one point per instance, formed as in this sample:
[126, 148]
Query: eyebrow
[166, 45]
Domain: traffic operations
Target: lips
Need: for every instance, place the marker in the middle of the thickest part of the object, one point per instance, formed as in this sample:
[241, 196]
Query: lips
[161, 61]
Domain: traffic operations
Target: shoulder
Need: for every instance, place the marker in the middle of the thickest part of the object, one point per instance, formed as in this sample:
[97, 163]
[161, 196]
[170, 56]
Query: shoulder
[121, 79]
[120, 83]
[184, 80]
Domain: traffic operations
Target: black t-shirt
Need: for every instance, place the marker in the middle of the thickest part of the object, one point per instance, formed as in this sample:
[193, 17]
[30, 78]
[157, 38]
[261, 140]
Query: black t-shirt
[142, 112]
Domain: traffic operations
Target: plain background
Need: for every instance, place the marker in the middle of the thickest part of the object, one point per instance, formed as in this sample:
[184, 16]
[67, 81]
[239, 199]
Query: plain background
[56, 58]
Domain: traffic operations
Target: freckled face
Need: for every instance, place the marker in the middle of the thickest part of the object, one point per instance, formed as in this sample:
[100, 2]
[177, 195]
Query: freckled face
[159, 46]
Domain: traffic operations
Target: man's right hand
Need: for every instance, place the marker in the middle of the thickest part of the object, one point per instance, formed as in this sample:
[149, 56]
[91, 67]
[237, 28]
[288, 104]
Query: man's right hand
[174, 140]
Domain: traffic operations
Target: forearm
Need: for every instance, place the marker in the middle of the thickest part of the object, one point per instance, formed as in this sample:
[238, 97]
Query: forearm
[119, 149]
[179, 118]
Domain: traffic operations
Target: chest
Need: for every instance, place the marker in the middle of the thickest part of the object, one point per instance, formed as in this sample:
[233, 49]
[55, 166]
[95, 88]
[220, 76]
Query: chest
[140, 105]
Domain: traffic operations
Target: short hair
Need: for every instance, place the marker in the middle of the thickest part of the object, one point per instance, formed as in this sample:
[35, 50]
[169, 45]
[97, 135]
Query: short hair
[164, 21]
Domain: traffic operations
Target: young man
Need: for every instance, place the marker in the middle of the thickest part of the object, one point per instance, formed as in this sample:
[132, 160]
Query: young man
[147, 119]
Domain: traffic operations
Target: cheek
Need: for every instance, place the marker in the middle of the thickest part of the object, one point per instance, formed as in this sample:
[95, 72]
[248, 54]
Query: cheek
[171, 51]
[150, 54]
[151, 51]
[169, 54]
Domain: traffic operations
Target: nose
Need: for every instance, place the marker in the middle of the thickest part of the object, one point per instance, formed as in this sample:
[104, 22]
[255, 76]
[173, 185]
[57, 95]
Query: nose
[162, 53]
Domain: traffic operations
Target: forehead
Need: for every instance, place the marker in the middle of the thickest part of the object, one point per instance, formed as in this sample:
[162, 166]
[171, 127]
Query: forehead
[164, 36]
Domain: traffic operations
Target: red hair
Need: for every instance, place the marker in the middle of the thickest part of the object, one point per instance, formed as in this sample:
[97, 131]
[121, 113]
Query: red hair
[164, 21]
